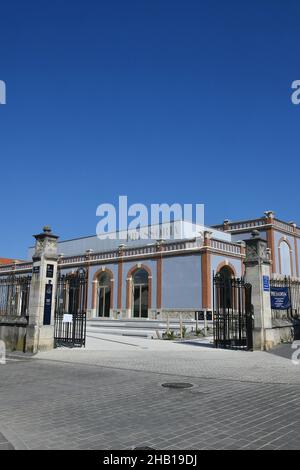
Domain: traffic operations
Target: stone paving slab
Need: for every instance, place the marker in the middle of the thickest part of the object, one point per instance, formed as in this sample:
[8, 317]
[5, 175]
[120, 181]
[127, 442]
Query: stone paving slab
[52, 402]
[184, 359]
[5, 444]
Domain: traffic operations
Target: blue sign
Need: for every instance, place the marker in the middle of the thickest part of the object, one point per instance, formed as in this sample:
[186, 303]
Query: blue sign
[48, 304]
[266, 283]
[280, 299]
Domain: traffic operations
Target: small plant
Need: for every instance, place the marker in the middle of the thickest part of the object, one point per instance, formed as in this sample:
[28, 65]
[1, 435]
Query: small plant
[169, 335]
[199, 332]
[183, 331]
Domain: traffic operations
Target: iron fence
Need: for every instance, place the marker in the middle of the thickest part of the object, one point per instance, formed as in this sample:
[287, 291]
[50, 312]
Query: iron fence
[293, 286]
[232, 313]
[14, 295]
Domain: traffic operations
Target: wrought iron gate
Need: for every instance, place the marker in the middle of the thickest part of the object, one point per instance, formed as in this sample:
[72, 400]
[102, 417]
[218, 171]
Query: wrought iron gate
[232, 313]
[14, 295]
[70, 309]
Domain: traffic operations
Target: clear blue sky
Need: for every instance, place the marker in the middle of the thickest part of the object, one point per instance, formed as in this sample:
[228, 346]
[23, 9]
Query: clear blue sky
[162, 100]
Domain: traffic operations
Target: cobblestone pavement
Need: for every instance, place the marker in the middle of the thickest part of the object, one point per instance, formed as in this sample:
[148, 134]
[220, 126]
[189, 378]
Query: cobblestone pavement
[5, 444]
[114, 399]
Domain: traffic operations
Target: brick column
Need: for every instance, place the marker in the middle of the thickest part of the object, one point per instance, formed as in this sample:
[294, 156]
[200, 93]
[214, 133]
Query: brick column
[120, 277]
[270, 238]
[206, 272]
[296, 250]
[159, 249]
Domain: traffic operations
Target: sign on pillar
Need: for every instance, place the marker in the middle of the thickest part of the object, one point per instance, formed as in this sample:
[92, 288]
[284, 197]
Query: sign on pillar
[40, 333]
[257, 273]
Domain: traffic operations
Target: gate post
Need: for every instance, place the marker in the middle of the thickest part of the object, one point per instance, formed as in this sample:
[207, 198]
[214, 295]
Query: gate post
[40, 330]
[257, 273]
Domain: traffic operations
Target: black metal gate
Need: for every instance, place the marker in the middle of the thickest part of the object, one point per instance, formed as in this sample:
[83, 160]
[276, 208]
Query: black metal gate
[232, 313]
[70, 309]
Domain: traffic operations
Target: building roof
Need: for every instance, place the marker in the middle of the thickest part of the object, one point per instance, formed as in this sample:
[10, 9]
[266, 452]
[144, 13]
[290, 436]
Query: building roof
[9, 261]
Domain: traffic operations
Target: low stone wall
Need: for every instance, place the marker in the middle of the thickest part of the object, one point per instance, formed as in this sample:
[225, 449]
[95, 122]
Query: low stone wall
[282, 332]
[13, 331]
[177, 314]
[153, 314]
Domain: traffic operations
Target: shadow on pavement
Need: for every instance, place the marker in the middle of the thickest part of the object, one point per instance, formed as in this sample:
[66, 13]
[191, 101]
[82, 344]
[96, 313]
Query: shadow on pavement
[283, 350]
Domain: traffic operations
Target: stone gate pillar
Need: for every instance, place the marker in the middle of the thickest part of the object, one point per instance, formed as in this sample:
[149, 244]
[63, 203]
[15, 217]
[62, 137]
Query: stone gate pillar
[40, 332]
[257, 273]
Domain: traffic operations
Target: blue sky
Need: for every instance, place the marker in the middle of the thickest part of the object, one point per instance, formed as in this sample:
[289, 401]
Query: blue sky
[164, 101]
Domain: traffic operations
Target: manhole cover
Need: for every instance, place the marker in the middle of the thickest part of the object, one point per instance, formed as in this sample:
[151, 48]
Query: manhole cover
[177, 385]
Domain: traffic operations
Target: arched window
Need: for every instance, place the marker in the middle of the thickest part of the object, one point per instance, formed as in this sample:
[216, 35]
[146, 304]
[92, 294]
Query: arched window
[285, 258]
[104, 294]
[140, 280]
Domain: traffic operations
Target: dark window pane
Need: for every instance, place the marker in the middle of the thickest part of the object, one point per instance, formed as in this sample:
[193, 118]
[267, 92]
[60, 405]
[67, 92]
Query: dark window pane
[104, 279]
[140, 277]
[136, 301]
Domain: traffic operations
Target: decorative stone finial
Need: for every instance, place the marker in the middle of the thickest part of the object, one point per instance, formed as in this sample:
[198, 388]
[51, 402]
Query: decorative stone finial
[269, 214]
[255, 234]
[47, 229]
[121, 248]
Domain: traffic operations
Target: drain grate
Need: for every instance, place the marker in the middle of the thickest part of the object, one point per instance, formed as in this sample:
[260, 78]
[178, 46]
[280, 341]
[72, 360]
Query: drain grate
[177, 385]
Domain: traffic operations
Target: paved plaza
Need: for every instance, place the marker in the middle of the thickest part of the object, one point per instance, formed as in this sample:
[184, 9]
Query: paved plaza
[110, 396]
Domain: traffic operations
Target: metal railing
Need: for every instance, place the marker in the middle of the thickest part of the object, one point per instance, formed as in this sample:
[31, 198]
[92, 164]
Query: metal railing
[14, 295]
[293, 286]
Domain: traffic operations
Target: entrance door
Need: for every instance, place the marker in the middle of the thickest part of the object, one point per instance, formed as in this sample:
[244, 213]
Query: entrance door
[140, 294]
[104, 301]
[104, 295]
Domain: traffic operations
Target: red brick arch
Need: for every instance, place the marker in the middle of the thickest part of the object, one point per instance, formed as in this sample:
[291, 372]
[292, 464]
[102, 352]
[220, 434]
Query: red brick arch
[94, 287]
[227, 265]
[281, 240]
[129, 284]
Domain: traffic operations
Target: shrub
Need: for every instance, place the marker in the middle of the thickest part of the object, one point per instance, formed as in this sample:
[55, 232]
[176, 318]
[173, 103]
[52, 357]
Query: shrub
[184, 331]
[170, 335]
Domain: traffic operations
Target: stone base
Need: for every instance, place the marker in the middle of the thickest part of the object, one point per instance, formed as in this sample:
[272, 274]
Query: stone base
[272, 337]
[13, 333]
[177, 314]
[154, 314]
[39, 338]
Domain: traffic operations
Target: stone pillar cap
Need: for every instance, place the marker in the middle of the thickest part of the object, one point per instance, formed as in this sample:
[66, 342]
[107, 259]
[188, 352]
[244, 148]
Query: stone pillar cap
[47, 232]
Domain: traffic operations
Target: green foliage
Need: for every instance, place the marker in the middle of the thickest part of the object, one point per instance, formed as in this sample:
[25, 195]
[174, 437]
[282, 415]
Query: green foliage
[184, 331]
[169, 335]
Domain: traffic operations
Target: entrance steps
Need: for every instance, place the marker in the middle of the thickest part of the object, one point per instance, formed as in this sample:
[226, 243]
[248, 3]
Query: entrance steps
[137, 327]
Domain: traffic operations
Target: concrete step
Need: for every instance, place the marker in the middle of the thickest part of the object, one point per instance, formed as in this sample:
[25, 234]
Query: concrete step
[144, 324]
[121, 332]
